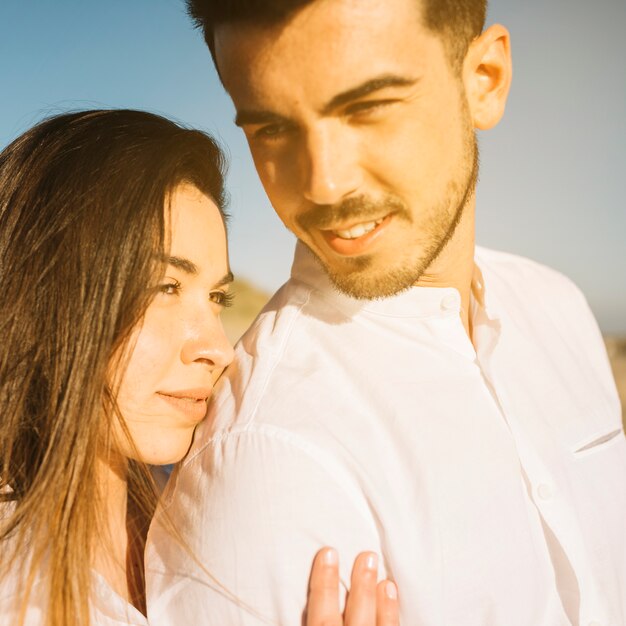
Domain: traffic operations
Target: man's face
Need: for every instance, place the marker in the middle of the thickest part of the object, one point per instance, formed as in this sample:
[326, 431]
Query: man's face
[360, 132]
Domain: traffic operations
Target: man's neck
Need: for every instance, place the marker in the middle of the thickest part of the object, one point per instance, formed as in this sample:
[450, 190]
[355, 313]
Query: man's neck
[454, 266]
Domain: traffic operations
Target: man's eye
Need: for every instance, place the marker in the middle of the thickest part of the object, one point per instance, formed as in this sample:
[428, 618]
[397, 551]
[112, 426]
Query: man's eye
[222, 298]
[170, 288]
[271, 131]
[369, 106]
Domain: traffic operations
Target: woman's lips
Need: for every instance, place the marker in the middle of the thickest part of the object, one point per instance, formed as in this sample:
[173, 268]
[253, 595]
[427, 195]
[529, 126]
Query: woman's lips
[190, 402]
[357, 238]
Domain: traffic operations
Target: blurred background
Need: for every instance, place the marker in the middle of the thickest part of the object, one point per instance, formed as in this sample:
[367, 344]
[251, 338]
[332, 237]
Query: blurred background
[552, 173]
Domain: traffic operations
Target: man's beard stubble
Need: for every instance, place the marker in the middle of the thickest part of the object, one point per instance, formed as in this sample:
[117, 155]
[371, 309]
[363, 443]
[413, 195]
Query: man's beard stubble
[357, 282]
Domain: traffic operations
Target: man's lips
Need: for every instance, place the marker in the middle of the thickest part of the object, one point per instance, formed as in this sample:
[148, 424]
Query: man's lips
[356, 229]
[355, 238]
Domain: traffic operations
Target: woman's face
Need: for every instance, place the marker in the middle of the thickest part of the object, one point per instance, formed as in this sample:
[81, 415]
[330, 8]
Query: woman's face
[179, 350]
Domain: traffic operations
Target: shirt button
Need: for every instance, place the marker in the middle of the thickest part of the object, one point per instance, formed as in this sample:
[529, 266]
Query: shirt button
[546, 492]
[450, 302]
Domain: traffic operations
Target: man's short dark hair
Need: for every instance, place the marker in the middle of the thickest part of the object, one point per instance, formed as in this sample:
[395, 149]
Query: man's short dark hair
[457, 21]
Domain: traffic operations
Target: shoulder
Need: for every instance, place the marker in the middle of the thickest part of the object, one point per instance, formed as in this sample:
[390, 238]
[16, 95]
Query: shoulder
[533, 291]
[251, 459]
[236, 396]
[257, 499]
[547, 308]
[523, 272]
[276, 353]
[540, 299]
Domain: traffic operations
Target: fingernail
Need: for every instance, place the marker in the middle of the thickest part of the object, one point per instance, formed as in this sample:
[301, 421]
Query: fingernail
[372, 561]
[330, 557]
[391, 590]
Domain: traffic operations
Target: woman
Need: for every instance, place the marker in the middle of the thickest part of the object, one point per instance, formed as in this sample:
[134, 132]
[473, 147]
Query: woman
[113, 259]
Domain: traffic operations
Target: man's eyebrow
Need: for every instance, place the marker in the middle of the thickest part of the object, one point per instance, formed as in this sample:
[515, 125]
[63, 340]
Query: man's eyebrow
[251, 116]
[246, 116]
[366, 88]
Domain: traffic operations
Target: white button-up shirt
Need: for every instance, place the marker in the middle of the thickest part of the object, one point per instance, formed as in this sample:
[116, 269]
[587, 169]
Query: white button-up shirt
[490, 476]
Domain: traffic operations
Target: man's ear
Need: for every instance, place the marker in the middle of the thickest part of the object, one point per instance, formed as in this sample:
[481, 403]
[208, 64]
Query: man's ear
[487, 75]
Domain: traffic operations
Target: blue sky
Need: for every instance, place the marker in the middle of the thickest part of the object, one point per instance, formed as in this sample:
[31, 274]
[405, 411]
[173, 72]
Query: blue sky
[552, 177]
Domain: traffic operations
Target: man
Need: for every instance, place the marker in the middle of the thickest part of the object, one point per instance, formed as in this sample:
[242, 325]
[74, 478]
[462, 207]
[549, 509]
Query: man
[450, 408]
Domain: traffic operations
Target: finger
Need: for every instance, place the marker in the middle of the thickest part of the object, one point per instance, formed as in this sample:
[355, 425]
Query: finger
[323, 601]
[361, 603]
[387, 613]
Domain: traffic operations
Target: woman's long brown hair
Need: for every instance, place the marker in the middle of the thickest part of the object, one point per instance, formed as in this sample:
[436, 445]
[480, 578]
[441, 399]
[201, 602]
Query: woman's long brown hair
[81, 229]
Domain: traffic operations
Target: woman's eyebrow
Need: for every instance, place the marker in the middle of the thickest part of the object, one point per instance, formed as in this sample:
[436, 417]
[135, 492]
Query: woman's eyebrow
[187, 266]
[226, 279]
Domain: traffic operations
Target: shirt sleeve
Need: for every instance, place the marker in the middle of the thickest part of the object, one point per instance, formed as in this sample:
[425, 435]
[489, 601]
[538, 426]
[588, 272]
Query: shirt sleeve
[254, 508]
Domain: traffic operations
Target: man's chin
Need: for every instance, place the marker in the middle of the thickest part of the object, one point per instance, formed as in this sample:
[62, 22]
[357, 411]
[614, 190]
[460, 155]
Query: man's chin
[370, 285]
[357, 277]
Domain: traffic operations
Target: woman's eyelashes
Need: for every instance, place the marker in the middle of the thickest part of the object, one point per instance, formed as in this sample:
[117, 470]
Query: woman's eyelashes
[170, 288]
[221, 297]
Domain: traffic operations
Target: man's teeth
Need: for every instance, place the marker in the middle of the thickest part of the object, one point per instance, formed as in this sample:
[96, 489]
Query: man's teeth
[357, 231]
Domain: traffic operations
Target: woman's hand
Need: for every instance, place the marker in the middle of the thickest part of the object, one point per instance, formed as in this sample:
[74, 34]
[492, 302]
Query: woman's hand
[369, 603]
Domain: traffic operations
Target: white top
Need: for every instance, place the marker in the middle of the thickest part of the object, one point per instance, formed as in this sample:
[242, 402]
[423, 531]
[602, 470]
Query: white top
[492, 480]
[107, 607]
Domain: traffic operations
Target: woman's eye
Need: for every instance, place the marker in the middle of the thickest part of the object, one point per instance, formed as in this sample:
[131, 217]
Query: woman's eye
[170, 289]
[222, 298]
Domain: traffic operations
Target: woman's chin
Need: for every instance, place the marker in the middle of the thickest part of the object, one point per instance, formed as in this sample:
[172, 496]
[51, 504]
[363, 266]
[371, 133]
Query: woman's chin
[166, 449]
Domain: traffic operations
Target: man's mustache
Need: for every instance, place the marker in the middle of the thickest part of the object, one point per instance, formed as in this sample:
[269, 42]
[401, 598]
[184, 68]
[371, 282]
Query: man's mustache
[354, 209]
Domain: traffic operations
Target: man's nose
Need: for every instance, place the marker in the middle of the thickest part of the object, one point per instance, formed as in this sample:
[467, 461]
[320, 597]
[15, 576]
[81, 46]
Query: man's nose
[331, 165]
[206, 342]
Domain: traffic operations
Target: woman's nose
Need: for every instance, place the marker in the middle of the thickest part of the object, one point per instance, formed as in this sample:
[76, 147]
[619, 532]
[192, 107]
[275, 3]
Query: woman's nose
[207, 343]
